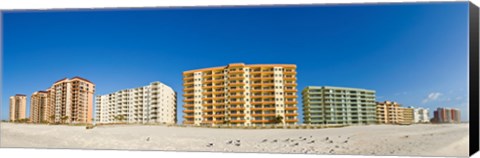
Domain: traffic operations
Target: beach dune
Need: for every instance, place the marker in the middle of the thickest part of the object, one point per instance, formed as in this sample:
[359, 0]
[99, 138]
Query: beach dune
[412, 140]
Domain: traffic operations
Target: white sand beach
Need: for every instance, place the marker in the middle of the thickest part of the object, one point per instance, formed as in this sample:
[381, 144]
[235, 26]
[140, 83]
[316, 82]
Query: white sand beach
[414, 140]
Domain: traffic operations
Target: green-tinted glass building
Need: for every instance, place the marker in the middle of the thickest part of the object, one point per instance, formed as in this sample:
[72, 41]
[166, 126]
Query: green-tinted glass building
[338, 105]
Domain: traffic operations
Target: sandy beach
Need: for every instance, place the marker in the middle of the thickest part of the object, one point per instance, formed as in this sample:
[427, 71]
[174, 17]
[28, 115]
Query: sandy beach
[414, 140]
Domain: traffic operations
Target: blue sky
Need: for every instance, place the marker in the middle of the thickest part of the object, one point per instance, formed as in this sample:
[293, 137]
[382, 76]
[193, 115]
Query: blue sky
[415, 54]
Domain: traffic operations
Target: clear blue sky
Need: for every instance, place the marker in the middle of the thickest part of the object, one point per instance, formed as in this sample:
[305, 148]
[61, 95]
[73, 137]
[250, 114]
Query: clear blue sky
[406, 52]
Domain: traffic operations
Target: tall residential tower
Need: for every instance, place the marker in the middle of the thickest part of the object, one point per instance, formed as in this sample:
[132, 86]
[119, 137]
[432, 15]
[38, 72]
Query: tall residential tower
[39, 108]
[71, 101]
[241, 95]
[18, 107]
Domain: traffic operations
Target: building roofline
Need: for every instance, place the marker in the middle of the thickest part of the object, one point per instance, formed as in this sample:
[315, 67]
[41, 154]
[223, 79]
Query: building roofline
[241, 64]
[335, 87]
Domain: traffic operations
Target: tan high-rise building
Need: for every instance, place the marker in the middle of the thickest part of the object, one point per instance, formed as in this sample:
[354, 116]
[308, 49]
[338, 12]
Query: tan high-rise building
[408, 115]
[241, 95]
[71, 101]
[389, 113]
[39, 108]
[18, 107]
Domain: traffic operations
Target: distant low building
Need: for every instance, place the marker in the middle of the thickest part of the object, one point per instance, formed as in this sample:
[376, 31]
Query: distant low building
[389, 112]
[446, 115]
[420, 115]
[408, 115]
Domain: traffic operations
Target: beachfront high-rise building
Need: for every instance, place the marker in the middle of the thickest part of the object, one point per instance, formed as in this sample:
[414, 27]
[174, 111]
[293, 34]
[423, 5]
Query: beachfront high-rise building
[446, 115]
[408, 116]
[389, 113]
[39, 108]
[71, 101]
[154, 103]
[18, 107]
[338, 105]
[241, 95]
[421, 115]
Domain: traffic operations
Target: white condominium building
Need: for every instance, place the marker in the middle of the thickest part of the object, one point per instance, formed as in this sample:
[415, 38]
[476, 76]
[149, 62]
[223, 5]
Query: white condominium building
[154, 103]
[420, 115]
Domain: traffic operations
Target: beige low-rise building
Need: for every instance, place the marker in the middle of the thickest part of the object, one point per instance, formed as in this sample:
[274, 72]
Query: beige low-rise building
[408, 115]
[18, 106]
[389, 112]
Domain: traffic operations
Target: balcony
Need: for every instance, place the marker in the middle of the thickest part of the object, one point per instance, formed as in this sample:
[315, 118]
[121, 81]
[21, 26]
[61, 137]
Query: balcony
[208, 98]
[260, 121]
[188, 116]
[236, 90]
[289, 78]
[187, 111]
[291, 114]
[237, 96]
[207, 93]
[237, 115]
[188, 100]
[290, 90]
[236, 72]
[218, 110]
[188, 94]
[236, 84]
[237, 108]
[207, 110]
[291, 108]
[237, 121]
[237, 102]
[185, 78]
[291, 121]
[216, 104]
[290, 96]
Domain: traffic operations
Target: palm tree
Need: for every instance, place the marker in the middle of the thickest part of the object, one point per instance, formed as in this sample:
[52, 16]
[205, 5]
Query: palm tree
[119, 118]
[278, 119]
[52, 118]
[64, 118]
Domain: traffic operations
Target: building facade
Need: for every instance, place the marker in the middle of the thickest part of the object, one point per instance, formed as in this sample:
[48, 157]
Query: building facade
[39, 108]
[71, 101]
[18, 107]
[408, 115]
[241, 95]
[338, 105]
[446, 115]
[389, 112]
[154, 103]
[420, 115]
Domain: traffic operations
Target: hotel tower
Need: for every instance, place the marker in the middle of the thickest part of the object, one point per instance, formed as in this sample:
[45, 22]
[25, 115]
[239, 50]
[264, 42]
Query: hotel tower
[18, 107]
[241, 95]
[39, 107]
[71, 101]
[338, 105]
[154, 103]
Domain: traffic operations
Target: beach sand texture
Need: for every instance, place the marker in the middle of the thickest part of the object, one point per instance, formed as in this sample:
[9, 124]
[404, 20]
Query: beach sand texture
[413, 140]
